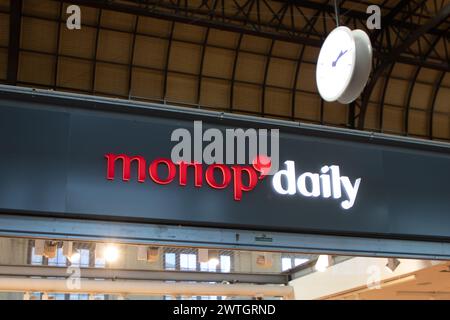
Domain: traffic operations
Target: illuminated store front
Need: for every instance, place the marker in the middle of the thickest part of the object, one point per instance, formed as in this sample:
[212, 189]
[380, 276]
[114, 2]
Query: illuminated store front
[206, 150]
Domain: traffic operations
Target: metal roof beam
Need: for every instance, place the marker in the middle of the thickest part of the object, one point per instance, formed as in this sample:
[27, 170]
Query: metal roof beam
[14, 41]
[231, 23]
[393, 57]
[359, 15]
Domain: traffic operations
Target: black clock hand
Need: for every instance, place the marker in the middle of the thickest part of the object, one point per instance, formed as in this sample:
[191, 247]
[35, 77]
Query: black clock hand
[337, 59]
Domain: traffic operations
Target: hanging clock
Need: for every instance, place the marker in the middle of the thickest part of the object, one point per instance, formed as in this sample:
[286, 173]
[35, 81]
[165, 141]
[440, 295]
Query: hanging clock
[344, 65]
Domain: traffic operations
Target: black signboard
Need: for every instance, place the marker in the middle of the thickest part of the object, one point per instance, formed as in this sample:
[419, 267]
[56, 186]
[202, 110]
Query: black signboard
[53, 163]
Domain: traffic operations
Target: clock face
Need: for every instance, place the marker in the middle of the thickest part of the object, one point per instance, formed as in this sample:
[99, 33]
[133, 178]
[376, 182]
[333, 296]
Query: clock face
[336, 64]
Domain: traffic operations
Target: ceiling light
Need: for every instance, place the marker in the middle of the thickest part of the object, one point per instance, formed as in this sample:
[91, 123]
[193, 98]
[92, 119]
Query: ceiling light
[392, 264]
[323, 262]
[75, 256]
[111, 253]
[99, 251]
[68, 251]
[213, 256]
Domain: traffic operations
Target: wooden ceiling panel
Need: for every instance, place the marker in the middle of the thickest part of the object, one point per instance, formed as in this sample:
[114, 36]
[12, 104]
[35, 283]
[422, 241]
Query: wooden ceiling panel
[418, 122]
[185, 57]
[255, 44]
[147, 84]
[373, 117]
[421, 96]
[80, 43]
[396, 92]
[118, 21]
[393, 119]
[111, 79]
[335, 113]
[446, 80]
[223, 38]
[311, 55]
[428, 75]
[182, 88]
[250, 67]
[215, 93]
[281, 73]
[247, 97]
[287, 50]
[39, 35]
[441, 126]
[36, 68]
[150, 52]
[403, 71]
[307, 106]
[89, 15]
[219, 62]
[75, 73]
[307, 78]
[377, 91]
[442, 103]
[278, 102]
[189, 32]
[114, 46]
[41, 8]
[155, 27]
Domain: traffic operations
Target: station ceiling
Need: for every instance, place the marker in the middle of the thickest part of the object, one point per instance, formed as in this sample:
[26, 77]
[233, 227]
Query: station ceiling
[252, 57]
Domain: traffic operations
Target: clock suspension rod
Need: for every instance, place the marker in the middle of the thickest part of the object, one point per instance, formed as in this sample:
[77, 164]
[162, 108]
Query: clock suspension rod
[336, 12]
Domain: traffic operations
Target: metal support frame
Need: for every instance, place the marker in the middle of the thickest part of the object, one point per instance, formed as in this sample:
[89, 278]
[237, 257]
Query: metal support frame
[245, 17]
[412, 37]
[184, 236]
[145, 275]
[404, 23]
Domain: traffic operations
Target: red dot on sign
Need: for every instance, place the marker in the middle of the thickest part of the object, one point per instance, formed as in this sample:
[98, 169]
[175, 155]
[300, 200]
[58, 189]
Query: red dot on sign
[262, 164]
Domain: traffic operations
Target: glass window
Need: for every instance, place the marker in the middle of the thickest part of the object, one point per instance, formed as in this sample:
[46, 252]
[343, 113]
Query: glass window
[286, 264]
[100, 262]
[170, 261]
[225, 263]
[59, 260]
[78, 296]
[299, 261]
[81, 260]
[35, 259]
[208, 266]
[188, 261]
[56, 296]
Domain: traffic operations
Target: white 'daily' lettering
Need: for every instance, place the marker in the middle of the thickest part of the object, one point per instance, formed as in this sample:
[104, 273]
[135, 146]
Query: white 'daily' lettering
[326, 184]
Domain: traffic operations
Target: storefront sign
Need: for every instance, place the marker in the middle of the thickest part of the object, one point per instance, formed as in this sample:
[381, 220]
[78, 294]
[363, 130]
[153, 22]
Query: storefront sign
[328, 183]
[61, 158]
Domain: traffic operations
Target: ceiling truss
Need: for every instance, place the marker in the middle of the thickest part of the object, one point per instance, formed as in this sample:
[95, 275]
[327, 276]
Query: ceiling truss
[411, 31]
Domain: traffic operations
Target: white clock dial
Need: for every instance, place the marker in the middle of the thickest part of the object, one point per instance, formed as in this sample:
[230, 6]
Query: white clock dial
[336, 64]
